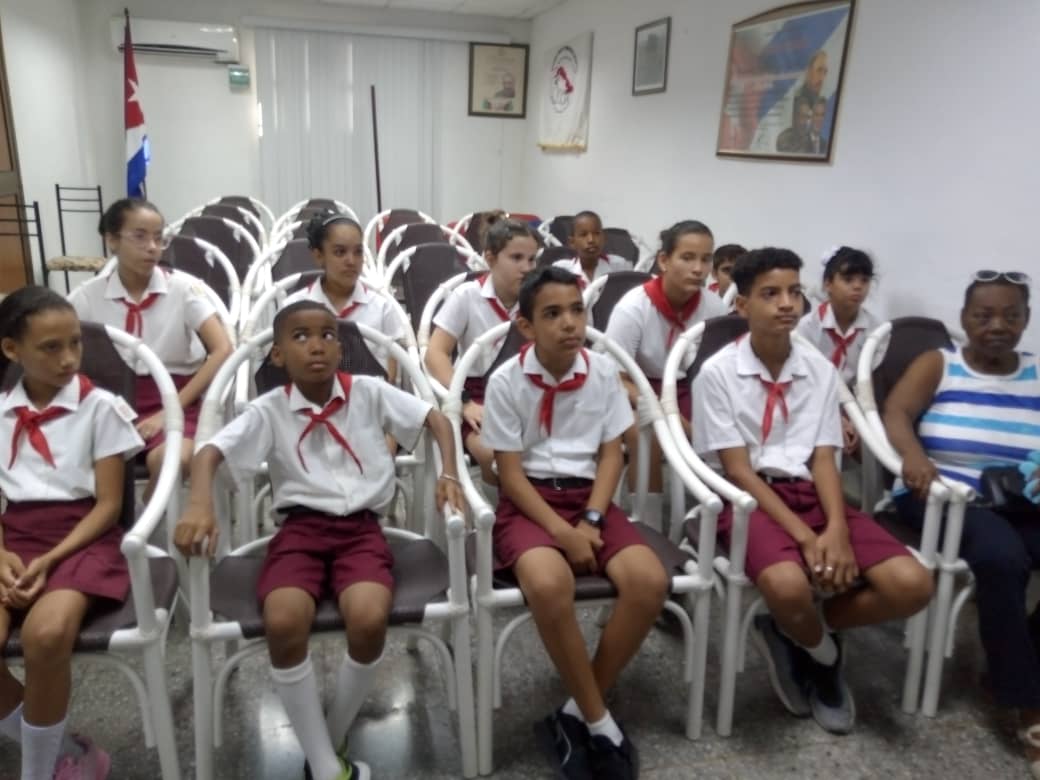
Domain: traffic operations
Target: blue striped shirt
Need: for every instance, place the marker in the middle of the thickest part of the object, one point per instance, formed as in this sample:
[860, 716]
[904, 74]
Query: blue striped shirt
[981, 420]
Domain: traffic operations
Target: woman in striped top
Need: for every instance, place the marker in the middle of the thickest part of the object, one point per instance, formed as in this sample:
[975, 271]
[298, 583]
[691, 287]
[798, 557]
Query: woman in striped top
[976, 407]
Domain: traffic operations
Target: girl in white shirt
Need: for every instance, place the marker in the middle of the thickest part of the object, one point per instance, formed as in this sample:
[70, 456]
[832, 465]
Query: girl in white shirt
[168, 311]
[63, 445]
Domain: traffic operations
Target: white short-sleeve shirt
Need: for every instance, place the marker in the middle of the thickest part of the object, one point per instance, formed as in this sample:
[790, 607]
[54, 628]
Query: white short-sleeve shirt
[328, 479]
[818, 325]
[469, 312]
[97, 426]
[366, 307]
[169, 326]
[729, 401]
[583, 419]
[608, 264]
[641, 330]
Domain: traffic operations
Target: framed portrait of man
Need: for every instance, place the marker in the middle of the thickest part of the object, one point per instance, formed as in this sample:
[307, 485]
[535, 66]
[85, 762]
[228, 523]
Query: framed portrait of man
[498, 80]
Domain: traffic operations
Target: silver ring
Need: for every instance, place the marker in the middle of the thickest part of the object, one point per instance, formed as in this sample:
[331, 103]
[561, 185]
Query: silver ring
[828, 568]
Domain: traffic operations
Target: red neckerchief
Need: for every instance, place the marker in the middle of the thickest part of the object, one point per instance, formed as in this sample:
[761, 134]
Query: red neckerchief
[30, 422]
[841, 343]
[500, 310]
[776, 395]
[322, 418]
[545, 410]
[676, 319]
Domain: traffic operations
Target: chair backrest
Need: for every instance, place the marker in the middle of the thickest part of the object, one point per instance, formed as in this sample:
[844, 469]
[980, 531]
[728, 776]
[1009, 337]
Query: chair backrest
[614, 289]
[910, 337]
[561, 228]
[430, 266]
[510, 346]
[357, 359]
[104, 367]
[221, 235]
[242, 202]
[618, 241]
[295, 258]
[320, 204]
[718, 332]
[552, 254]
[228, 211]
[185, 255]
[395, 219]
[414, 234]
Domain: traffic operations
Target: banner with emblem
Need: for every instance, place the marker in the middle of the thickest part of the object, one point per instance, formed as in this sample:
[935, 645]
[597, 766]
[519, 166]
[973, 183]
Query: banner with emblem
[567, 71]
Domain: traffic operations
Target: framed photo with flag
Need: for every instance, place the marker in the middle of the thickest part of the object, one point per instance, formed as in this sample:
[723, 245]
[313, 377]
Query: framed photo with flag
[783, 82]
[498, 80]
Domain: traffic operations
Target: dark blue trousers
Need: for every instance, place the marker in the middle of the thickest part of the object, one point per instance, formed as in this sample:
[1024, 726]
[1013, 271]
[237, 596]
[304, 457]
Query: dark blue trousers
[1002, 547]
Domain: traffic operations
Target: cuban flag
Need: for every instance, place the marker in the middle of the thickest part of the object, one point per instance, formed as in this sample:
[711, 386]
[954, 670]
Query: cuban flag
[137, 151]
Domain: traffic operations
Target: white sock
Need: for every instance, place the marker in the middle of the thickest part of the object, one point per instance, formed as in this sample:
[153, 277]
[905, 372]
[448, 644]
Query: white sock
[298, 690]
[571, 708]
[826, 652]
[11, 726]
[607, 727]
[40, 746]
[353, 682]
[653, 510]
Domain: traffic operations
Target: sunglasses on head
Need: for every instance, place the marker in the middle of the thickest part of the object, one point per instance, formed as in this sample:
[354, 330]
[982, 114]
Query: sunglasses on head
[1015, 277]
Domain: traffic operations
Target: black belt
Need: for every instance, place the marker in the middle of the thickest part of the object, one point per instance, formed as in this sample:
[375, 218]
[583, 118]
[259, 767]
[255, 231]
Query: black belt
[298, 509]
[770, 479]
[561, 483]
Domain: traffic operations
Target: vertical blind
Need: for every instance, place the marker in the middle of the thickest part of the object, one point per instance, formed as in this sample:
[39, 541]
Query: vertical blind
[316, 118]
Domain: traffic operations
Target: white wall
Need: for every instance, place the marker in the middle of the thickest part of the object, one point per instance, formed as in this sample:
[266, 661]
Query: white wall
[934, 165]
[66, 83]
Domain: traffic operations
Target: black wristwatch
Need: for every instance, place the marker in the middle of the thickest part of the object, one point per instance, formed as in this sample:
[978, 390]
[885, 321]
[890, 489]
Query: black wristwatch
[466, 396]
[593, 518]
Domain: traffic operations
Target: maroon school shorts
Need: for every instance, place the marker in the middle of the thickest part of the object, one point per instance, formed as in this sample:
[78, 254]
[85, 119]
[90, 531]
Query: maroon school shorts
[682, 395]
[148, 402]
[475, 386]
[769, 543]
[324, 555]
[33, 528]
[514, 533]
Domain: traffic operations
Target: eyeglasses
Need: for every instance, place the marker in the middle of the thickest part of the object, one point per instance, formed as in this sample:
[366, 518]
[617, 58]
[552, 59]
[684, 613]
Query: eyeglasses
[140, 238]
[1015, 277]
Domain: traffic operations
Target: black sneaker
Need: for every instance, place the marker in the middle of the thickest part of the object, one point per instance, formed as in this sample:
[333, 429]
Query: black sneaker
[830, 698]
[789, 665]
[565, 741]
[613, 762]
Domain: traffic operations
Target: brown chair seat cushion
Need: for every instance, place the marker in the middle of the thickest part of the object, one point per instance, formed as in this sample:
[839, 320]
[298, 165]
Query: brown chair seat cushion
[75, 263]
[592, 586]
[105, 619]
[420, 577]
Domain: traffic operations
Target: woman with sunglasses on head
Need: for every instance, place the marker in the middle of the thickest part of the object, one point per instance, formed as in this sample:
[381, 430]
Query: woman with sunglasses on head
[169, 312]
[959, 413]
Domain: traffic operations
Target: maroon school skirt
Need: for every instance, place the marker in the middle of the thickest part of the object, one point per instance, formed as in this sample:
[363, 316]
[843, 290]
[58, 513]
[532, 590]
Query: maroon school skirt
[33, 528]
[769, 543]
[475, 386]
[682, 395]
[324, 555]
[148, 402]
[514, 533]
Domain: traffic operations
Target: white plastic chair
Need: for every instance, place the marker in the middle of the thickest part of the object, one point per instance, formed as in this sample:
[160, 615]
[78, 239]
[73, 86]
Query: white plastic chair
[450, 611]
[247, 217]
[393, 239]
[262, 208]
[291, 214]
[695, 583]
[377, 225]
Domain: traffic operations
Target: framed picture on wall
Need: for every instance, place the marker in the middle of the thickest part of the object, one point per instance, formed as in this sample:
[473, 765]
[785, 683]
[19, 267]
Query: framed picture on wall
[498, 80]
[783, 82]
[650, 61]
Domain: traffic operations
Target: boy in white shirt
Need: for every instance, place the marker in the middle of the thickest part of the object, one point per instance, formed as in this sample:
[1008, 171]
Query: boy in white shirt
[554, 415]
[766, 408]
[323, 438]
[588, 242]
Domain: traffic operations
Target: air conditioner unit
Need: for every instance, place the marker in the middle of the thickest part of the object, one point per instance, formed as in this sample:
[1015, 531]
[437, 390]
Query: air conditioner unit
[187, 39]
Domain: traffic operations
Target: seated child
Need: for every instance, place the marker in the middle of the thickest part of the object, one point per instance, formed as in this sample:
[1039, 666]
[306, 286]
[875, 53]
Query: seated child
[335, 240]
[331, 474]
[554, 418]
[63, 447]
[472, 309]
[588, 242]
[840, 325]
[722, 267]
[647, 320]
[766, 408]
[169, 312]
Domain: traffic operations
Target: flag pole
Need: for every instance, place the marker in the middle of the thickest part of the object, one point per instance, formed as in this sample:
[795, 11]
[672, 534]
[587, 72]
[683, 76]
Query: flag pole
[375, 146]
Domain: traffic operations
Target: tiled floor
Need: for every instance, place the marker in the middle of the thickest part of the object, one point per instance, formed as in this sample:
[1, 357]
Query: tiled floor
[406, 731]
